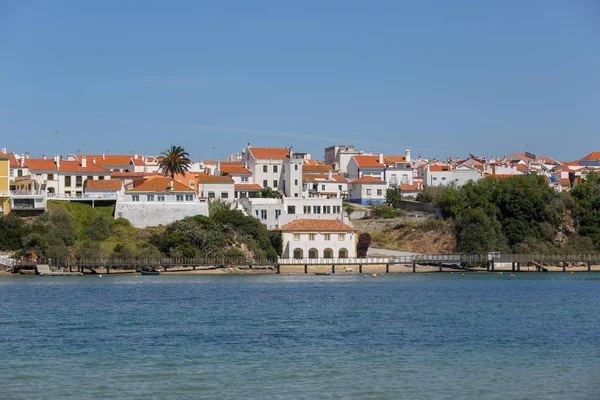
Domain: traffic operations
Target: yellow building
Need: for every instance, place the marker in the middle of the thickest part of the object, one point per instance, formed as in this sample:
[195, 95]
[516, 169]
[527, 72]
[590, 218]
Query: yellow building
[4, 184]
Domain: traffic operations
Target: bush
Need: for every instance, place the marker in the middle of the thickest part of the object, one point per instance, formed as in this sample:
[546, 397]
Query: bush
[362, 247]
[11, 232]
[99, 228]
[380, 211]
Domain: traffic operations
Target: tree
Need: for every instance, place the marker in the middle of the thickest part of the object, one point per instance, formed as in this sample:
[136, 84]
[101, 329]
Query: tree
[451, 203]
[393, 196]
[11, 232]
[362, 247]
[99, 228]
[174, 161]
[269, 193]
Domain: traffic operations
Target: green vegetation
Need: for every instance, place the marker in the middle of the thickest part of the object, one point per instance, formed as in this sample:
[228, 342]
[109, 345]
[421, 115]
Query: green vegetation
[393, 196]
[521, 214]
[175, 161]
[362, 247]
[269, 193]
[71, 231]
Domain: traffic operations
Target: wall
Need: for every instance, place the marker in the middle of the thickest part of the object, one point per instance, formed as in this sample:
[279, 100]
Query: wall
[218, 189]
[289, 244]
[142, 215]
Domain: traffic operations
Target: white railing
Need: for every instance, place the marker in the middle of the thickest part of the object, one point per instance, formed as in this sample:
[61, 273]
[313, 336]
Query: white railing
[27, 193]
[350, 261]
[84, 196]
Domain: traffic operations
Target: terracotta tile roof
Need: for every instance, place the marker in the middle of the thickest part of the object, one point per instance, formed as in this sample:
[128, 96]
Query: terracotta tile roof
[270, 153]
[110, 160]
[523, 156]
[137, 162]
[75, 166]
[521, 167]
[316, 168]
[409, 188]
[39, 164]
[393, 159]
[13, 161]
[548, 160]
[440, 168]
[368, 161]
[106, 185]
[205, 178]
[247, 187]
[313, 162]
[593, 156]
[117, 174]
[234, 169]
[160, 185]
[367, 179]
[316, 225]
[323, 177]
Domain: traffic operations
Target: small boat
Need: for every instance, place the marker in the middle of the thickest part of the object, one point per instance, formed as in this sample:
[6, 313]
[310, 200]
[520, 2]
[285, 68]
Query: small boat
[322, 273]
[150, 272]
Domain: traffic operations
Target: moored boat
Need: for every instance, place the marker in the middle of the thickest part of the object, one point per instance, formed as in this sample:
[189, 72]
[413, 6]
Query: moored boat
[150, 272]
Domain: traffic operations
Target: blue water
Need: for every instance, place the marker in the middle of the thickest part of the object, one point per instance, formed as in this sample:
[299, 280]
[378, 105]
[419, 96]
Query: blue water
[438, 336]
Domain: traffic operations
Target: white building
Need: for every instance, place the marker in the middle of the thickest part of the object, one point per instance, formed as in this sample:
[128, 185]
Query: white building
[155, 202]
[340, 156]
[324, 185]
[277, 168]
[367, 191]
[446, 175]
[212, 187]
[318, 238]
[238, 173]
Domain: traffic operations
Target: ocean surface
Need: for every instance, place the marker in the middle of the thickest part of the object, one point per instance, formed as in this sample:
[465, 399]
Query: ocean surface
[405, 336]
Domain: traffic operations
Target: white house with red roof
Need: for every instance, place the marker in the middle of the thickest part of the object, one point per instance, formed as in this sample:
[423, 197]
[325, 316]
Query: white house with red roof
[238, 173]
[277, 168]
[158, 202]
[312, 239]
[367, 191]
[211, 187]
[324, 185]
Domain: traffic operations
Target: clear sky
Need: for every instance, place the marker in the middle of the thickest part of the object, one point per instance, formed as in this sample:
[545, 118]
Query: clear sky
[443, 78]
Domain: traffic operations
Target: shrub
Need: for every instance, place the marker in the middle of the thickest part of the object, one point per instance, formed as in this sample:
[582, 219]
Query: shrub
[362, 247]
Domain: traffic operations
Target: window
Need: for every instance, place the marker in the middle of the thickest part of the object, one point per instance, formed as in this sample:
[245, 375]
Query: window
[336, 209]
[179, 197]
[211, 195]
[315, 186]
[191, 184]
[133, 198]
[20, 172]
[379, 192]
[434, 178]
[312, 236]
[306, 209]
[224, 195]
[263, 214]
[274, 183]
[295, 194]
[328, 253]
[296, 167]
[296, 236]
[316, 209]
[313, 253]
[291, 209]
[265, 168]
[78, 193]
[68, 194]
[298, 254]
[327, 236]
[189, 197]
[277, 214]
[340, 187]
[244, 179]
[265, 183]
[150, 197]
[322, 187]
[50, 177]
[343, 253]
[101, 178]
[78, 181]
[296, 182]
[161, 198]
[275, 168]
[443, 178]
[67, 181]
[341, 236]
[326, 209]
[368, 192]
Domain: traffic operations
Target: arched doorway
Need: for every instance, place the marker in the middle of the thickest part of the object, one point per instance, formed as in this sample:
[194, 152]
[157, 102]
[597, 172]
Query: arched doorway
[328, 253]
[343, 253]
[298, 254]
[313, 253]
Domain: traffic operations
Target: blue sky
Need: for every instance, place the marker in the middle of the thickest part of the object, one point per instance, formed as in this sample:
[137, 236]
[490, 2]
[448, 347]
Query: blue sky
[443, 78]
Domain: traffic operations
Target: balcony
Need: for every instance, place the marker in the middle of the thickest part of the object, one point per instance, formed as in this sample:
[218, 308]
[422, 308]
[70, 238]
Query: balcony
[83, 196]
[27, 193]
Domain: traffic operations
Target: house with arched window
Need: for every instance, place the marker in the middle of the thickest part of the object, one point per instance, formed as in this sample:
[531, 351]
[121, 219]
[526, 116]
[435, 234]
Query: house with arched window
[318, 239]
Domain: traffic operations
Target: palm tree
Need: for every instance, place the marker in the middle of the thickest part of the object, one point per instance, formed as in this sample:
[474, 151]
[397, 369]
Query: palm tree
[174, 161]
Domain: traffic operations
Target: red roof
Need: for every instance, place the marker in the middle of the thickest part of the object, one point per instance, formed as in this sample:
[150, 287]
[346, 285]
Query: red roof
[108, 160]
[160, 185]
[323, 177]
[205, 178]
[75, 166]
[13, 161]
[316, 168]
[270, 153]
[117, 174]
[368, 161]
[234, 169]
[105, 185]
[367, 179]
[409, 188]
[593, 156]
[39, 164]
[393, 159]
[247, 187]
[316, 225]
[440, 168]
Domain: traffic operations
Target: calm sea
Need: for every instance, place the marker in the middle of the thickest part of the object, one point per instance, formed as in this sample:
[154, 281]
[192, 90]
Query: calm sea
[438, 336]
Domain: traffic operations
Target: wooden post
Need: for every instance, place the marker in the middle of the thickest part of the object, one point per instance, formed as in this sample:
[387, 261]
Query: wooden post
[360, 268]
[589, 266]
[513, 266]
[487, 266]
[278, 266]
[440, 265]
[493, 265]
[333, 268]
[107, 270]
[306, 268]
[414, 267]
[387, 268]
[564, 266]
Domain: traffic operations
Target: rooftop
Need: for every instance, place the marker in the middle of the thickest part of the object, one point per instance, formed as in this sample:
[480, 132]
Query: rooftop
[316, 225]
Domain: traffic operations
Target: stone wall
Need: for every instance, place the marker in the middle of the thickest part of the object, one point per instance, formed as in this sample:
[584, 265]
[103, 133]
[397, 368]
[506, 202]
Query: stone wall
[143, 214]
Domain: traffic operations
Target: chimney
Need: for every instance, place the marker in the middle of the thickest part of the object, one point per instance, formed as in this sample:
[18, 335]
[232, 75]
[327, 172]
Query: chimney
[43, 156]
[380, 159]
[494, 169]
[22, 160]
[135, 157]
[291, 152]
[407, 155]
[4, 150]
[94, 160]
[103, 156]
[330, 175]
[218, 166]
[57, 160]
[83, 162]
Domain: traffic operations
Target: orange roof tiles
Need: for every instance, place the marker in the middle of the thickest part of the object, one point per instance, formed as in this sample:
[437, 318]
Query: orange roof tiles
[126, 174]
[108, 159]
[39, 164]
[440, 168]
[270, 153]
[323, 177]
[393, 159]
[160, 185]
[367, 179]
[234, 169]
[13, 161]
[108, 185]
[248, 187]
[316, 168]
[316, 225]
[205, 178]
[409, 188]
[75, 166]
[368, 162]
[593, 156]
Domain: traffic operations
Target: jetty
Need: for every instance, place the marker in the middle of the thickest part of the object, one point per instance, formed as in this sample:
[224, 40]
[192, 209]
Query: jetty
[44, 270]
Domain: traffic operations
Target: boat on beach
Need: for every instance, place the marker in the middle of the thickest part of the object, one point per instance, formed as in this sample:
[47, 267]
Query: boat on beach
[150, 272]
[322, 273]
